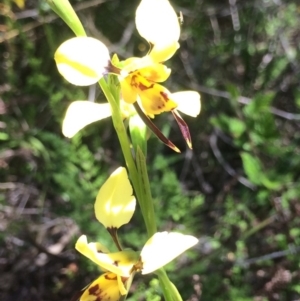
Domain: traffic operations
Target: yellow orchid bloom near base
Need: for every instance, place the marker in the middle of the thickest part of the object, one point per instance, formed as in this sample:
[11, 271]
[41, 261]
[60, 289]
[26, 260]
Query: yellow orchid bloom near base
[114, 207]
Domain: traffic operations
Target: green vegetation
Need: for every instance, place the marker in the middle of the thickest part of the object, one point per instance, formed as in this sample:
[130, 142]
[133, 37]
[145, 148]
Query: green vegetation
[238, 191]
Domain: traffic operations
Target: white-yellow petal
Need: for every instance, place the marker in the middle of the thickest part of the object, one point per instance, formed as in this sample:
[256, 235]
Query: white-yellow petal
[81, 113]
[82, 61]
[162, 248]
[115, 203]
[162, 52]
[157, 21]
[119, 263]
[188, 102]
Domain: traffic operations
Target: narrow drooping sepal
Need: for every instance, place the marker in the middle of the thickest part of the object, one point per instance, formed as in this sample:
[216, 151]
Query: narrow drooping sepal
[155, 129]
[183, 128]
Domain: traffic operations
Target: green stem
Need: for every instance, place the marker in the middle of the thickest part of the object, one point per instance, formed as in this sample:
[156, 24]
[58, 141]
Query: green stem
[121, 131]
[139, 177]
[124, 142]
[140, 181]
[147, 201]
[169, 289]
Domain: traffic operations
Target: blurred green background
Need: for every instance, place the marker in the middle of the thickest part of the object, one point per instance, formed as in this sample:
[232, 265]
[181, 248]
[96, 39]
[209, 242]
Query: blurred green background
[237, 191]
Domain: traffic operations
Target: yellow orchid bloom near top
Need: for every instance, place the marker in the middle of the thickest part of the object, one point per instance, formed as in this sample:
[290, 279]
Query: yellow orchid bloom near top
[84, 60]
[114, 207]
[157, 22]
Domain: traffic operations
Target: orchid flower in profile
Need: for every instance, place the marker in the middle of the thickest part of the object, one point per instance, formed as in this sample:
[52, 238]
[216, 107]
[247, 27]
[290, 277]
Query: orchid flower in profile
[114, 207]
[84, 61]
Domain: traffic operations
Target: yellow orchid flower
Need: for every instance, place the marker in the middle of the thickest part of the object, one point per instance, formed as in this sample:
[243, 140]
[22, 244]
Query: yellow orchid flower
[84, 60]
[157, 22]
[158, 251]
[114, 207]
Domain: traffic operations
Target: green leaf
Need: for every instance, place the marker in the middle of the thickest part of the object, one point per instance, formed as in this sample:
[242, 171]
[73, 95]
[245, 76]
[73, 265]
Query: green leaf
[232, 125]
[260, 104]
[252, 168]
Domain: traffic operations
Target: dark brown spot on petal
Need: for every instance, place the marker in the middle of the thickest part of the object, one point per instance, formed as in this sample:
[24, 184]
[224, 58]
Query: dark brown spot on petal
[137, 84]
[94, 290]
[110, 276]
[164, 96]
[143, 87]
[116, 263]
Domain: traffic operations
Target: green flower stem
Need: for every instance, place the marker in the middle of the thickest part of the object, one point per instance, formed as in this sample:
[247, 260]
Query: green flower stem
[126, 149]
[139, 177]
[140, 181]
[121, 132]
[169, 289]
[146, 200]
[66, 12]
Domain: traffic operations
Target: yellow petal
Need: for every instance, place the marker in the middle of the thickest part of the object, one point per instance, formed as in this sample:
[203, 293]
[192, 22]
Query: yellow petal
[115, 203]
[119, 263]
[155, 98]
[104, 288]
[129, 95]
[156, 72]
[82, 61]
[134, 63]
[188, 102]
[81, 113]
[157, 22]
[162, 52]
[162, 248]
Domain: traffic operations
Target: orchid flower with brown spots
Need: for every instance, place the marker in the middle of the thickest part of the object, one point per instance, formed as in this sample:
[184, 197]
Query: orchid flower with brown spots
[84, 61]
[114, 207]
